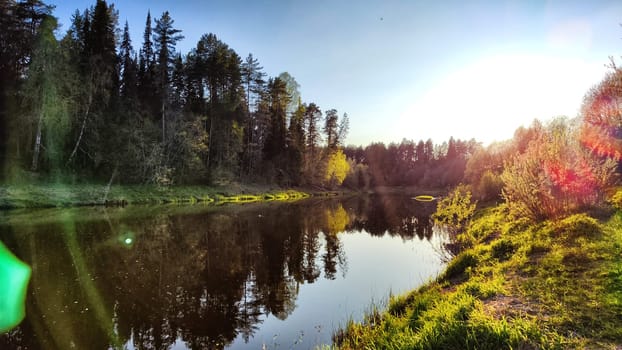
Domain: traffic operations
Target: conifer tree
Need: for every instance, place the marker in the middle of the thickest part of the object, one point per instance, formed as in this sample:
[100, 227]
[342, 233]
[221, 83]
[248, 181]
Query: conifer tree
[165, 37]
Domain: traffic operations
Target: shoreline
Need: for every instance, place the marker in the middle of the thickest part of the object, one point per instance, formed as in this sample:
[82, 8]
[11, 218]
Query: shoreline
[60, 195]
[555, 284]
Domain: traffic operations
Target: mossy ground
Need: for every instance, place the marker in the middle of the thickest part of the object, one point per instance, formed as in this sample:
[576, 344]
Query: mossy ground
[516, 285]
[41, 196]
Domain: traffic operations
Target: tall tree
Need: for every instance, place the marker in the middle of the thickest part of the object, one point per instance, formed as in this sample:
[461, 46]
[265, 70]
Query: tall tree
[344, 127]
[292, 87]
[20, 22]
[216, 73]
[420, 152]
[296, 143]
[313, 114]
[165, 37]
[279, 99]
[100, 82]
[331, 129]
[252, 78]
[312, 117]
[428, 151]
[254, 84]
[452, 151]
[128, 66]
[146, 71]
[43, 97]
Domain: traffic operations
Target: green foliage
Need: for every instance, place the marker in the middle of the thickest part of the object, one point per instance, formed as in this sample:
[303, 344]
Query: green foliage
[456, 209]
[445, 321]
[577, 226]
[460, 265]
[502, 249]
[485, 226]
[551, 285]
[145, 117]
[489, 186]
[616, 200]
[46, 100]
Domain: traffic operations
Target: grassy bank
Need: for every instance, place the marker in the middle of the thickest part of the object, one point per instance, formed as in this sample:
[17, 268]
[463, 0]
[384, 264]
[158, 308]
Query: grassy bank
[42, 196]
[517, 285]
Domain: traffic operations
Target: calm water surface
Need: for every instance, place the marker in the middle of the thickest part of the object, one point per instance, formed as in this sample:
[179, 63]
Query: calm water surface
[273, 275]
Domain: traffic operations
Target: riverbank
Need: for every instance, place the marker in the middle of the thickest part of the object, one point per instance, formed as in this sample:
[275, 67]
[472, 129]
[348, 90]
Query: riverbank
[551, 285]
[46, 196]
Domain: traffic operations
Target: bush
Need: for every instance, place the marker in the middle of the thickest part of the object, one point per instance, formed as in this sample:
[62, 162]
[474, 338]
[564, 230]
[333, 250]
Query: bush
[503, 249]
[576, 226]
[459, 265]
[555, 176]
[456, 210]
[489, 186]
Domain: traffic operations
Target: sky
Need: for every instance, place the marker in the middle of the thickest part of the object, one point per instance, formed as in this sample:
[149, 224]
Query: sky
[410, 69]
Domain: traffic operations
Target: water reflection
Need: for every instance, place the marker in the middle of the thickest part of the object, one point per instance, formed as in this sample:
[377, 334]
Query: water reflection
[152, 278]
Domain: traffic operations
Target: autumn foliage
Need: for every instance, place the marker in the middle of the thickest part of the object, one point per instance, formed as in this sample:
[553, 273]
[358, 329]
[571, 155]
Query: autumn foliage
[556, 175]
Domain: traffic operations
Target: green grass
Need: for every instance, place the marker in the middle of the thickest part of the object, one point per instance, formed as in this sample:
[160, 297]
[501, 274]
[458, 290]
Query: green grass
[44, 196]
[517, 285]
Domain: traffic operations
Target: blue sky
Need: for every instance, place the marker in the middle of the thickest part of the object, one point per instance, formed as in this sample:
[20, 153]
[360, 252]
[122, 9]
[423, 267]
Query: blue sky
[411, 69]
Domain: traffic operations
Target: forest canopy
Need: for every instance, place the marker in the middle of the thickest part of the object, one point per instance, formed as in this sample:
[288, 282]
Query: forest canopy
[92, 106]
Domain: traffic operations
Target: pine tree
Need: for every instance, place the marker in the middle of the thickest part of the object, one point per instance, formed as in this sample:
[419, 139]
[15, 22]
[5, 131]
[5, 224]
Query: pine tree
[331, 129]
[128, 68]
[296, 143]
[100, 88]
[146, 73]
[279, 99]
[165, 37]
[252, 80]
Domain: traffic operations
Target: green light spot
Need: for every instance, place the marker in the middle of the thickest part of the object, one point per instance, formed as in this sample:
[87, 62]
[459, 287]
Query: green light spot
[14, 277]
[128, 241]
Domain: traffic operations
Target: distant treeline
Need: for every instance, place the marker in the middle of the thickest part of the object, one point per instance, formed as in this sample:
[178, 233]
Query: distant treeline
[422, 164]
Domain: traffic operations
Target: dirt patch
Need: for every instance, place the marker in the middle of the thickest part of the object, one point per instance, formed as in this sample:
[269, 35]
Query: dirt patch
[509, 306]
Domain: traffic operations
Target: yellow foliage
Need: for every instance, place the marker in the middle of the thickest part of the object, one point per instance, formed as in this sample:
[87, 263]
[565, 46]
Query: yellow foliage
[336, 220]
[337, 168]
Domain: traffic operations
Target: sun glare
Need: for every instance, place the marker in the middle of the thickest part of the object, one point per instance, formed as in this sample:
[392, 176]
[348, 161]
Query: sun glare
[490, 98]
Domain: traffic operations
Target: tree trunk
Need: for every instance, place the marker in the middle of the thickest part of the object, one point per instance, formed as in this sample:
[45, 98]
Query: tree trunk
[37, 150]
[86, 115]
[163, 126]
[114, 174]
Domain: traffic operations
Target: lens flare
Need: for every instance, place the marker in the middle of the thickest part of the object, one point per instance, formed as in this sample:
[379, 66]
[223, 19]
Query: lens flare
[578, 181]
[599, 140]
[14, 277]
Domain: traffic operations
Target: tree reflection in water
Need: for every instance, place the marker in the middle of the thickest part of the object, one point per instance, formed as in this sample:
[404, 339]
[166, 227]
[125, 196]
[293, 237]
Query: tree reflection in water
[202, 277]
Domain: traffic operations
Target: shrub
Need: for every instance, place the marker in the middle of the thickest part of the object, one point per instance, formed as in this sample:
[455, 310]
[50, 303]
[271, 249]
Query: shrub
[503, 249]
[459, 265]
[576, 226]
[489, 186]
[456, 210]
[555, 176]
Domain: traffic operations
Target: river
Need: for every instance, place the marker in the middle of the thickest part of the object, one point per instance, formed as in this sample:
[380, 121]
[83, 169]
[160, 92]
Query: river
[252, 276]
